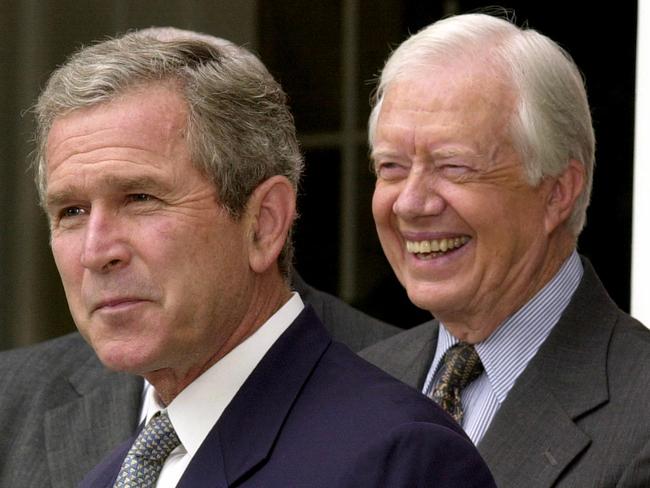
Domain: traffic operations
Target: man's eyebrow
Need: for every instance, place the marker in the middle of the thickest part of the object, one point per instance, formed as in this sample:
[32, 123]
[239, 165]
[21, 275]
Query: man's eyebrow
[383, 153]
[123, 184]
[433, 154]
[443, 153]
[58, 198]
[128, 184]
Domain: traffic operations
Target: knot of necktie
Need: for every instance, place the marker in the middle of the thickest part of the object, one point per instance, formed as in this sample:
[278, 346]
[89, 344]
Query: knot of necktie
[143, 462]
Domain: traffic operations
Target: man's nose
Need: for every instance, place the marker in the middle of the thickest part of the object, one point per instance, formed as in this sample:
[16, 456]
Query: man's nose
[105, 247]
[419, 197]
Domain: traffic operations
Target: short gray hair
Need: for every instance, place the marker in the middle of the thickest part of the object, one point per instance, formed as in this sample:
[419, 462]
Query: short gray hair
[240, 129]
[552, 122]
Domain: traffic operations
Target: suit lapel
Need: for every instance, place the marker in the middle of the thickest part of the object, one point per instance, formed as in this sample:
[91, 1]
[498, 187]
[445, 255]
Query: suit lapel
[534, 437]
[102, 413]
[244, 435]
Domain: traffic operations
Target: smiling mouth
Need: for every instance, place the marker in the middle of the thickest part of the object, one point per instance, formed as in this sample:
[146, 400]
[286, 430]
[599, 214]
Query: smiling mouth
[435, 247]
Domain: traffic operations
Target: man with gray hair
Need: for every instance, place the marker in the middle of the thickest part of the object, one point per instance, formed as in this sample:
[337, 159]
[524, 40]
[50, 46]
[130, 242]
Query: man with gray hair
[483, 148]
[167, 164]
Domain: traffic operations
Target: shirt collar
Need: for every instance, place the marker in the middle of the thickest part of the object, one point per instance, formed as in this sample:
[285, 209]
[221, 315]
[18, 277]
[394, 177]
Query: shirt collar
[199, 406]
[509, 349]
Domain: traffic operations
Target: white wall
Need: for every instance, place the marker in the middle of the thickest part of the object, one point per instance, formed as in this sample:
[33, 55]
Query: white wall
[640, 292]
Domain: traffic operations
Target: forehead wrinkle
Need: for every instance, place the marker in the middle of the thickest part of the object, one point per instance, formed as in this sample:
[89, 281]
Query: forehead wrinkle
[94, 151]
[71, 144]
[449, 152]
[131, 183]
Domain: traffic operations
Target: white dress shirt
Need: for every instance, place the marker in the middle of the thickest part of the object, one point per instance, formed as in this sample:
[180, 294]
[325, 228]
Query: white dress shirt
[508, 350]
[198, 407]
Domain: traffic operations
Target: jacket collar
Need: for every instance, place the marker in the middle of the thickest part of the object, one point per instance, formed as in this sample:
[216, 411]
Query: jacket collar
[244, 435]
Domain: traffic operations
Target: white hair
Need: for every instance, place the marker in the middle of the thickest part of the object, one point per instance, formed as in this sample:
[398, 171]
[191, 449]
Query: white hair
[551, 124]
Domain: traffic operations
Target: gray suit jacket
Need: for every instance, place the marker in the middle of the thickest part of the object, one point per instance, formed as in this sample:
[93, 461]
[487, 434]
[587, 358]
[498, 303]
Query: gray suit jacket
[62, 412]
[579, 414]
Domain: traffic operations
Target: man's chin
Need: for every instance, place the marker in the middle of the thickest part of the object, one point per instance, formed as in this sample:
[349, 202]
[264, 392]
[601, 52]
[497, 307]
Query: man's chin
[125, 359]
[430, 297]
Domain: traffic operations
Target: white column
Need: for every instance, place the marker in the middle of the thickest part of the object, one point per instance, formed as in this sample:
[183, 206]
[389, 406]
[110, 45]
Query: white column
[640, 292]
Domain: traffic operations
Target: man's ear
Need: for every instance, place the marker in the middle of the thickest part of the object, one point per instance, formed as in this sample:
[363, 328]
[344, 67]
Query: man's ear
[565, 190]
[271, 211]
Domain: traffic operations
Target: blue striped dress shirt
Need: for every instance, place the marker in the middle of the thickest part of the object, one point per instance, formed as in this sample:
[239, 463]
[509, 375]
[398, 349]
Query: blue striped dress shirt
[508, 350]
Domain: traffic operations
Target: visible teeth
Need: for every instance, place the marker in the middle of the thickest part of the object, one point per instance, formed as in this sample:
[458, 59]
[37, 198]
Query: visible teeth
[436, 245]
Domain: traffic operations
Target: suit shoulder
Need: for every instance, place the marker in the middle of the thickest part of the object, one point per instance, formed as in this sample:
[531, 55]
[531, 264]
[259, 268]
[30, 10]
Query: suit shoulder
[359, 384]
[38, 374]
[630, 330]
[420, 455]
[407, 355]
[345, 323]
[417, 335]
[396, 436]
[629, 352]
[353, 327]
[48, 357]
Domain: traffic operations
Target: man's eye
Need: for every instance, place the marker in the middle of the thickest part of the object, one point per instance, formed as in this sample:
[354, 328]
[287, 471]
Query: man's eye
[390, 170]
[454, 167]
[140, 197]
[458, 171]
[71, 212]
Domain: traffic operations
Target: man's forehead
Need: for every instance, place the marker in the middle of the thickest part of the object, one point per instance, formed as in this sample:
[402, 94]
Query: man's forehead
[153, 109]
[469, 97]
[447, 80]
[154, 121]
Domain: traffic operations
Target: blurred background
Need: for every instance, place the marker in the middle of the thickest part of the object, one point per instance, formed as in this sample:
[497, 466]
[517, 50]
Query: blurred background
[325, 53]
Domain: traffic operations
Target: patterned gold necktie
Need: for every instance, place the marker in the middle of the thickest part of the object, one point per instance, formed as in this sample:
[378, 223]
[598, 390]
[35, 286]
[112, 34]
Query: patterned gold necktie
[461, 365]
[145, 459]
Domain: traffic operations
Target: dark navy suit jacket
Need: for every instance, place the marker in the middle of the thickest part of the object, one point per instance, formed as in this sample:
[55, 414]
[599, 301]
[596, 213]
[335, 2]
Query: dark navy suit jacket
[313, 414]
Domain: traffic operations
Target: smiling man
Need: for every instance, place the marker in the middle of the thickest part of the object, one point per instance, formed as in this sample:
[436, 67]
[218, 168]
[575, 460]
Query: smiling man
[168, 166]
[483, 148]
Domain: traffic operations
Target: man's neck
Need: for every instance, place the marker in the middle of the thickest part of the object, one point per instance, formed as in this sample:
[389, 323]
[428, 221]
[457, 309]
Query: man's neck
[474, 326]
[268, 294]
